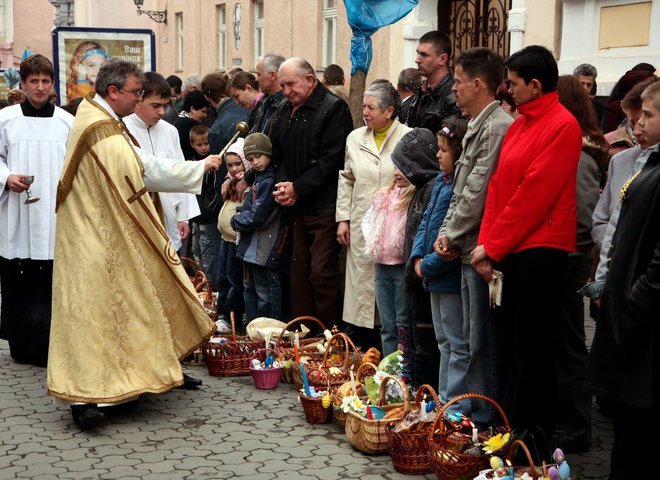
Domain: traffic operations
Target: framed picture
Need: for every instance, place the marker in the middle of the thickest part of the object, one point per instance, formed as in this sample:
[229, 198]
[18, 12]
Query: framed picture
[79, 53]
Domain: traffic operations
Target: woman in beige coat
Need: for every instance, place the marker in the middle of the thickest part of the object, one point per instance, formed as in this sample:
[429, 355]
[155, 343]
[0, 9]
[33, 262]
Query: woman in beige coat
[367, 168]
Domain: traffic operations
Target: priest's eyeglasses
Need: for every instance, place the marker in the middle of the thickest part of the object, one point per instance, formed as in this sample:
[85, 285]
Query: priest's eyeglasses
[138, 93]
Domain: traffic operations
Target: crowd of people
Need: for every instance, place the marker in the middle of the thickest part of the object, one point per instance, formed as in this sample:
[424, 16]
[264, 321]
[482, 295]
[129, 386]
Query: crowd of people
[468, 205]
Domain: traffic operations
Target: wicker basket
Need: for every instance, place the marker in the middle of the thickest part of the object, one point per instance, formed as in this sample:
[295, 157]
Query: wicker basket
[205, 294]
[232, 358]
[363, 371]
[410, 449]
[264, 378]
[286, 350]
[445, 457]
[348, 357]
[313, 407]
[369, 436]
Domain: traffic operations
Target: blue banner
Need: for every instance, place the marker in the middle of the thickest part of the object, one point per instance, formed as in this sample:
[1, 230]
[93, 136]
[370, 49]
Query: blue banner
[365, 17]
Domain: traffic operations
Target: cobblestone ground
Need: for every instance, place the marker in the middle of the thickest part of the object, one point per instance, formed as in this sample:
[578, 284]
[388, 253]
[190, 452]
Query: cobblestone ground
[227, 429]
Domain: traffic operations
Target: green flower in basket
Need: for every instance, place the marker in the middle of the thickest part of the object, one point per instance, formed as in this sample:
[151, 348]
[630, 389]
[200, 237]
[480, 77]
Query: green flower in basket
[392, 364]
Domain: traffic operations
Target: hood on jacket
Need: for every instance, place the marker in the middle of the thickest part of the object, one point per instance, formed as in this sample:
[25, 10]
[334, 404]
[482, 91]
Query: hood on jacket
[415, 156]
[237, 149]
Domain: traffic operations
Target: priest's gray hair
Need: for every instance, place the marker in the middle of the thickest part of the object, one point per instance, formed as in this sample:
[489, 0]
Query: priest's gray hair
[386, 96]
[116, 73]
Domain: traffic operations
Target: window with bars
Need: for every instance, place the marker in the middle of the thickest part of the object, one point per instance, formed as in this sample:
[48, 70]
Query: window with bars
[221, 14]
[329, 32]
[179, 41]
[258, 29]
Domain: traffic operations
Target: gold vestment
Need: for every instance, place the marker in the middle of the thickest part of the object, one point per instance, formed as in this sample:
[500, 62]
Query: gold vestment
[124, 309]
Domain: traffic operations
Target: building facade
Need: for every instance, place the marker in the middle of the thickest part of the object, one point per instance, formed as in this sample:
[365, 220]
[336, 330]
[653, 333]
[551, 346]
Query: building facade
[201, 36]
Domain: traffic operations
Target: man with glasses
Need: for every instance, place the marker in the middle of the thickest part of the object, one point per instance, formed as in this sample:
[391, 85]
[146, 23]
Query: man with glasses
[124, 310]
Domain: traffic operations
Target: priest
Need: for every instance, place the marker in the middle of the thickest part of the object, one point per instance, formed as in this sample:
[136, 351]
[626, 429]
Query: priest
[32, 144]
[124, 310]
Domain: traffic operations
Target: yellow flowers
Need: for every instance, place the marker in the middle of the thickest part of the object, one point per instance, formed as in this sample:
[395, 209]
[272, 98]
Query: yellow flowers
[493, 444]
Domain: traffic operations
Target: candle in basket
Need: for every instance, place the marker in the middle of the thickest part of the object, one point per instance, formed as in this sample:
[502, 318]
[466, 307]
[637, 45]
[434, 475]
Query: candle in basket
[353, 381]
[475, 434]
[296, 346]
[511, 472]
[303, 374]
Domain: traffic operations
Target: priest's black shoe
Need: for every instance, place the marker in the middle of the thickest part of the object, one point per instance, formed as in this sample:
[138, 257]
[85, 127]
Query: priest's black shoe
[190, 383]
[88, 415]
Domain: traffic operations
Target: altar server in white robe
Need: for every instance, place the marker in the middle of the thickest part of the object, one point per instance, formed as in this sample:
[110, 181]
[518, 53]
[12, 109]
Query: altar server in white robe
[33, 138]
[161, 139]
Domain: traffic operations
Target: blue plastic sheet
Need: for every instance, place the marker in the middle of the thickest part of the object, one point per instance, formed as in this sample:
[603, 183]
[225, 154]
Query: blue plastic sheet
[12, 77]
[26, 53]
[365, 17]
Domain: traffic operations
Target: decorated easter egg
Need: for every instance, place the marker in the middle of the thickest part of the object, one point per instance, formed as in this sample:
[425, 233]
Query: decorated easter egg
[256, 363]
[430, 406]
[502, 472]
[495, 463]
[553, 473]
[564, 471]
[558, 455]
[326, 401]
[334, 371]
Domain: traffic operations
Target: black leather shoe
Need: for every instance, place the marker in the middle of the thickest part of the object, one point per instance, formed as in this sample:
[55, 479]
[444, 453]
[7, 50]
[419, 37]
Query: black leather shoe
[190, 383]
[88, 415]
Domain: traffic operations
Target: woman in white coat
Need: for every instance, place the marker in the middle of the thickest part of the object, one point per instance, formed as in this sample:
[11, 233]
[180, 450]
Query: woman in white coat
[367, 168]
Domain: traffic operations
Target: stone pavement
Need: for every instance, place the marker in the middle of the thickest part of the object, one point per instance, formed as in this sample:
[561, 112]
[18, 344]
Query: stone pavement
[226, 429]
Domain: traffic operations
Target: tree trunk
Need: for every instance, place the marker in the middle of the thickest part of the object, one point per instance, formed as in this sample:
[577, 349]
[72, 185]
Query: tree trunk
[358, 84]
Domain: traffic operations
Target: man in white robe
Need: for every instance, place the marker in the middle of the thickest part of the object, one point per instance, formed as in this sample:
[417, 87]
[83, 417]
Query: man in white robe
[33, 138]
[161, 139]
[124, 310]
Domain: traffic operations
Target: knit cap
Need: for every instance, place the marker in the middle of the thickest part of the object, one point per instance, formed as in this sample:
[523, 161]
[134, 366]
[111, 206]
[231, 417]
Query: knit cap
[237, 148]
[257, 143]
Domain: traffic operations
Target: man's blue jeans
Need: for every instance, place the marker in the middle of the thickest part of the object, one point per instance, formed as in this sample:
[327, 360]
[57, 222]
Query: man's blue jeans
[393, 304]
[263, 292]
[447, 310]
[209, 244]
[480, 332]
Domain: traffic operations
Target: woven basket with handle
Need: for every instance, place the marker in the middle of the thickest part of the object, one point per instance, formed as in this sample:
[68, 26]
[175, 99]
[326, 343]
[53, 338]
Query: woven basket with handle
[369, 436]
[285, 348]
[410, 448]
[366, 369]
[341, 354]
[232, 357]
[315, 411]
[446, 455]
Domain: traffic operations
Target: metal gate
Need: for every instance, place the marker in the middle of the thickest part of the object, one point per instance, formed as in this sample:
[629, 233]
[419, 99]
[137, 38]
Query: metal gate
[475, 23]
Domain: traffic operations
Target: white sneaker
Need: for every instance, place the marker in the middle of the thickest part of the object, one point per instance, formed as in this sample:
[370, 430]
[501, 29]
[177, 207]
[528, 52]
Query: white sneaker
[222, 326]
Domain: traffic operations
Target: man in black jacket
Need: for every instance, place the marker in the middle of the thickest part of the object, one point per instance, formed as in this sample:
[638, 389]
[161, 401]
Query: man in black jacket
[309, 136]
[434, 100]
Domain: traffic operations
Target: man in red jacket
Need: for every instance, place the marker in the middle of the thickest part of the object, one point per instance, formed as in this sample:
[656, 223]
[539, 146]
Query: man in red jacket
[528, 228]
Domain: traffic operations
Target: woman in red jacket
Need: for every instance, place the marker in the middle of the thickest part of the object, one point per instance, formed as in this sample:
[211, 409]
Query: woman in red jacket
[528, 228]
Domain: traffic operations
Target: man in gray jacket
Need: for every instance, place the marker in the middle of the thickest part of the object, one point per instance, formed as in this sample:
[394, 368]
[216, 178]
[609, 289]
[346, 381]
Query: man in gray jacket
[478, 74]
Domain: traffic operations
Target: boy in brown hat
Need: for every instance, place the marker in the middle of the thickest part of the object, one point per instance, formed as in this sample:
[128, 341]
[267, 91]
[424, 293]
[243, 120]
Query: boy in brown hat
[262, 234]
